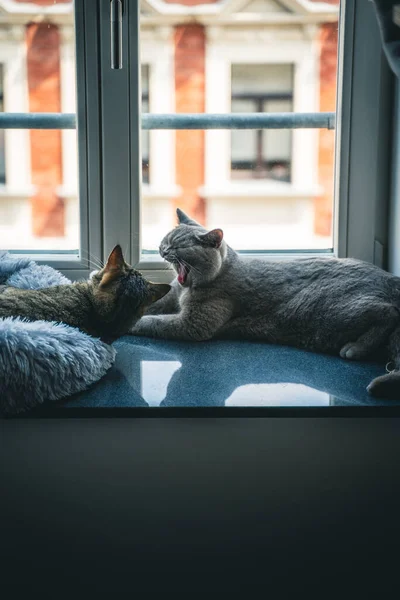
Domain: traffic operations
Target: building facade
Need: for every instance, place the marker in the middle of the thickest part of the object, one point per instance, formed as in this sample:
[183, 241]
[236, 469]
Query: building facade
[270, 189]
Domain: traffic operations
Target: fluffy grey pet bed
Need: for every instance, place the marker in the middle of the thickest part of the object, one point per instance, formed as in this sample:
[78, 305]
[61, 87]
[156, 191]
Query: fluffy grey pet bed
[41, 360]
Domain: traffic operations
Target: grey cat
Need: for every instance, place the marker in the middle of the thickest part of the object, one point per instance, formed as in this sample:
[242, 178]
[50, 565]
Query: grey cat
[336, 306]
[106, 306]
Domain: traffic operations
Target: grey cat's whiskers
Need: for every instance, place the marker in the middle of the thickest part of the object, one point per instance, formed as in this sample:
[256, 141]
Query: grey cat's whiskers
[167, 266]
[186, 264]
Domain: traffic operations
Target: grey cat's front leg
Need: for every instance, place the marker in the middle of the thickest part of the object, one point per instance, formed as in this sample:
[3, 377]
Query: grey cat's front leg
[168, 327]
[199, 323]
[169, 304]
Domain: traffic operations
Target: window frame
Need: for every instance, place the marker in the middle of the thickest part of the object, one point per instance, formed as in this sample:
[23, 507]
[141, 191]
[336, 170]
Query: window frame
[365, 95]
[110, 189]
[394, 214]
[364, 137]
[88, 142]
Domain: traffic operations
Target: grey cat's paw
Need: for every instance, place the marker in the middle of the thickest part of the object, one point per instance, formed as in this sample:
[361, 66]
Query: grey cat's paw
[353, 351]
[145, 326]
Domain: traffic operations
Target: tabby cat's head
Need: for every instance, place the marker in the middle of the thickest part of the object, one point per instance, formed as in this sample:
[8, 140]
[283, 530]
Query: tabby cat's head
[121, 294]
[195, 253]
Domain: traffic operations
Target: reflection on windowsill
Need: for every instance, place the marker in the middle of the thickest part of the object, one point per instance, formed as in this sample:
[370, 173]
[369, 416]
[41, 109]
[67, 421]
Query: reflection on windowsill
[277, 394]
[157, 373]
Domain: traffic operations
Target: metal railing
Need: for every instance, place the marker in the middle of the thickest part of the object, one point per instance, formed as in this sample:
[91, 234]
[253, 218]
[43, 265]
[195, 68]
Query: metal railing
[323, 120]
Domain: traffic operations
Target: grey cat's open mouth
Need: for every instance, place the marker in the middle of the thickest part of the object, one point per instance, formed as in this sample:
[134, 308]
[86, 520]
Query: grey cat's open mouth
[183, 272]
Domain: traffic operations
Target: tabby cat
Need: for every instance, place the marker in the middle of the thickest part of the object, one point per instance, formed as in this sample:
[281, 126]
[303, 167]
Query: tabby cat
[338, 306]
[105, 306]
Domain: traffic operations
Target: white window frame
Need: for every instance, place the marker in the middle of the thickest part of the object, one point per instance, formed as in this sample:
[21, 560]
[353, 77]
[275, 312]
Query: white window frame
[394, 214]
[86, 43]
[362, 146]
[363, 140]
[364, 135]
[110, 161]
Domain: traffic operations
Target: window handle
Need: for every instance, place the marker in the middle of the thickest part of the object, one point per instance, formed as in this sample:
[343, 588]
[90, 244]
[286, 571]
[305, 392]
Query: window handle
[116, 12]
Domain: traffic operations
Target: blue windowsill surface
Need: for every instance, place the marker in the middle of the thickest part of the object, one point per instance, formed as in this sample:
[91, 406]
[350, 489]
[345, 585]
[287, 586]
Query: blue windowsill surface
[154, 374]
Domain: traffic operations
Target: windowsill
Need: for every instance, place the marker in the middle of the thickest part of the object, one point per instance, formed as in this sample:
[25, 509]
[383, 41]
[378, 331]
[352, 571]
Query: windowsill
[152, 375]
[43, 256]
[258, 189]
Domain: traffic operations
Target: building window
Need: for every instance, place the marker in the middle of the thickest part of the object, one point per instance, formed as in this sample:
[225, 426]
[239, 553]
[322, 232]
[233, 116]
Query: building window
[2, 137]
[145, 134]
[263, 154]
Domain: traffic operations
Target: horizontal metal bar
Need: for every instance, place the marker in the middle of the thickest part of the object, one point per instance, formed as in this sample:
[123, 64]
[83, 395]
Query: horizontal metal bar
[73, 253]
[240, 121]
[182, 121]
[37, 121]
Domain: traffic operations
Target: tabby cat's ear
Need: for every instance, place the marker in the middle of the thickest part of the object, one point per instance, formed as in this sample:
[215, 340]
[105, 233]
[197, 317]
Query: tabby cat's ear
[158, 290]
[212, 238]
[113, 267]
[185, 220]
[116, 259]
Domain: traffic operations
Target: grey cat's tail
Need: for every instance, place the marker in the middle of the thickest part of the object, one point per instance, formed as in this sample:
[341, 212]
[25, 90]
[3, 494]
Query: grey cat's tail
[388, 386]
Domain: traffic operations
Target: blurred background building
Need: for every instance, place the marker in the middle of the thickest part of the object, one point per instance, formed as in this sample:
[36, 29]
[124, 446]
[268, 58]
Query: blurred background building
[266, 189]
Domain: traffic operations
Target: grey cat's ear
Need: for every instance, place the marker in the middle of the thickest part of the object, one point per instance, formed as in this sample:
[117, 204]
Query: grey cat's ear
[158, 290]
[185, 220]
[212, 238]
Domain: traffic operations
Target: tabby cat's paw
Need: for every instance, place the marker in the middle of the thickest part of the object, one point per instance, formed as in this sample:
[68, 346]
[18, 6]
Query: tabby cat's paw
[353, 351]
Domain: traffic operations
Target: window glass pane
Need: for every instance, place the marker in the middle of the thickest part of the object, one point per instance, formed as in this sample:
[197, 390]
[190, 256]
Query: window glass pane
[261, 79]
[244, 142]
[39, 204]
[2, 141]
[277, 144]
[145, 134]
[261, 89]
[270, 189]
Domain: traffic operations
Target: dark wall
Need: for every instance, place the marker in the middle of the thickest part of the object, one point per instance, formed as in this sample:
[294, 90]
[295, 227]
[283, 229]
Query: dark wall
[290, 500]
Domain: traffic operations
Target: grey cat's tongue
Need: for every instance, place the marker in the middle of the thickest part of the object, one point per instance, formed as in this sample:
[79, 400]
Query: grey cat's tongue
[182, 274]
